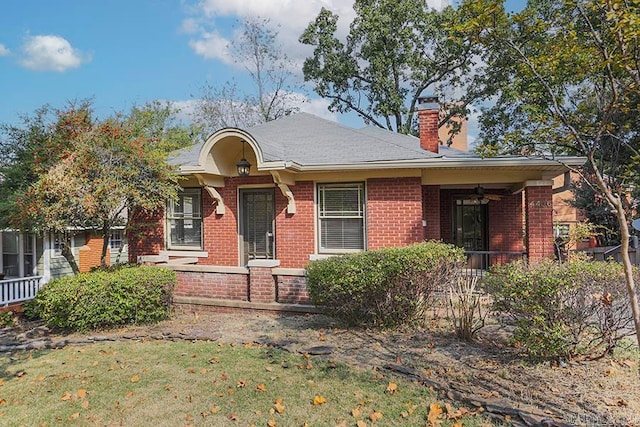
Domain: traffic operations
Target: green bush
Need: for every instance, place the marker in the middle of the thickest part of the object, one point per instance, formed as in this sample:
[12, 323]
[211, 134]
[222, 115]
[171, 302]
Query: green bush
[563, 310]
[96, 300]
[385, 287]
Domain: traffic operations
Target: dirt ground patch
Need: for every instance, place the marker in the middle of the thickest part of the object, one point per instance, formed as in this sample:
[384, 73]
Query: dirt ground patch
[604, 392]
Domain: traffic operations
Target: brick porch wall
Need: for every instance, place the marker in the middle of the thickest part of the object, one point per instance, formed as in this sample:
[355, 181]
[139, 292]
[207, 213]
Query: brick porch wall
[539, 222]
[431, 209]
[295, 233]
[145, 234]
[394, 212]
[506, 222]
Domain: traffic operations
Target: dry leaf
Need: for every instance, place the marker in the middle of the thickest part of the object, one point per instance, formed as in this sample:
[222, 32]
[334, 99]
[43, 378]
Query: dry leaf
[392, 388]
[40, 378]
[135, 379]
[261, 387]
[404, 414]
[85, 404]
[356, 412]
[66, 396]
[241, 384]
[128, 394]
[214, 410]
[279, 406]
[271, 423]
[319, 400]
[81, 394]
[232, 416]
[361, 423]
[74, 415]
[435, 411]
[375, 416]
[457, 424]
[188, 417]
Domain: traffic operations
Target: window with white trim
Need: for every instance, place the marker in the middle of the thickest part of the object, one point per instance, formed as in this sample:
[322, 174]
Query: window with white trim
[116, 239]
[341, 217]
[184, 220]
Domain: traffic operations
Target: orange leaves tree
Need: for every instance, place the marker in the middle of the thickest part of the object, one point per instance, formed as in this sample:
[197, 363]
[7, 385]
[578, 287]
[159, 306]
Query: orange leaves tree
[93, 172]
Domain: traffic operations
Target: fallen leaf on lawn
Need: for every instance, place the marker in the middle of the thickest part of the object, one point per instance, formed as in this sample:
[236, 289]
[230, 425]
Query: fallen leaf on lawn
[81, 394]
[230, 391]
[361, 423]
[66, 396]
[435, 411]
[188, 417]
[40, 378]
[214, 410]
[232, 416]
[375, 416]
[392, 388]
[342, 423]
[279, 406]
[135, 379]
[457, 424]
[74, 415]
[271, 423]
[610, 372]
[85, 404]
[3, 402]
[356, 412]
[191, 371]
[268, 369]
[261, 387]
[96, 363]
[21, 374]
[241, 384]
[404, 414]
[128, 394]
[319, 400]
[167, 387]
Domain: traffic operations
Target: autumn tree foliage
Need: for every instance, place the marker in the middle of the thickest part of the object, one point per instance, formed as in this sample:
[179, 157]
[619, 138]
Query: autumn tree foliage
[568, 74]
[86, 173]
[395, 51]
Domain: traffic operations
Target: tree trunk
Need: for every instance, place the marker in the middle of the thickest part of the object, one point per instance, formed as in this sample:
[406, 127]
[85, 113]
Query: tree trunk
[67, 253]
[106, 235]
[628, 269]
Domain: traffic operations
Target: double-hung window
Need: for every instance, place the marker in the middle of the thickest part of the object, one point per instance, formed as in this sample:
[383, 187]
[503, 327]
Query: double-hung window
[341, 217]
[184, 220]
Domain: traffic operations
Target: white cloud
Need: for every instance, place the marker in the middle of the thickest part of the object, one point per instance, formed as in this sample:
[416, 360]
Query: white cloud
[212, 46]
[3, 50]
[319, 107]
[51, 53]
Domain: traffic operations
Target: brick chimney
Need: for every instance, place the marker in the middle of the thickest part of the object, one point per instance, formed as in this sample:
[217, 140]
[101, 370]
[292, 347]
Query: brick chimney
[428, 119]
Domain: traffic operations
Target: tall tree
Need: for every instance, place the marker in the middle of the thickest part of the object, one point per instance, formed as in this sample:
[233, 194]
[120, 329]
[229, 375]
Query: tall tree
[273, 83]
[87, 173]
[395, 51]
[572, 85]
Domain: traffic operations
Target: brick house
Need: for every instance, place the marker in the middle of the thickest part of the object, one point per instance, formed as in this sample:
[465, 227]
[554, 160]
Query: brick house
[316, 188]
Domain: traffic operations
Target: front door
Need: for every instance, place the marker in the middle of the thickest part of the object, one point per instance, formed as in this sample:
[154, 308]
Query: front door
[470, 224]
[257, 213]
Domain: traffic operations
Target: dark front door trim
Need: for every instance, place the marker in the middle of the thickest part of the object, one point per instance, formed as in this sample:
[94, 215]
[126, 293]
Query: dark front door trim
[256, 224]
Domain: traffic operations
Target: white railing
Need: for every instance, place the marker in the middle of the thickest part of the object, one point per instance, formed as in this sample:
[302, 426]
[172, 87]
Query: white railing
[18, 290]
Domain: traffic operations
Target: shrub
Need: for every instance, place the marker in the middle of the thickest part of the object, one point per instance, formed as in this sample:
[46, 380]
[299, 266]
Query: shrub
[563, 310]
[129, 295]
[385, 287]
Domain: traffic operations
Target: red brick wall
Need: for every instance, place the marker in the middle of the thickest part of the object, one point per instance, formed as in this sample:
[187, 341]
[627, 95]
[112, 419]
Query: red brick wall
[213, 285]
[145, 233]
[505, 222]
[431, 208]
[295, 237]
[428, 120]
[292, 290]
[394, 212]
[89, 254]
[539, 222]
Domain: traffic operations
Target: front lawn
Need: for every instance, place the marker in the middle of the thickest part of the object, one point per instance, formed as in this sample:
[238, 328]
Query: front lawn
[163, 383]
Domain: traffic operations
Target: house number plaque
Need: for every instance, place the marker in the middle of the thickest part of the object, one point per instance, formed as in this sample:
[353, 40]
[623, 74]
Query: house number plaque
[540, 203]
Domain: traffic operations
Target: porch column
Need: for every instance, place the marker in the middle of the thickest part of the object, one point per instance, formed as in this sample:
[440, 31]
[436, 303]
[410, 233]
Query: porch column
[539, 219]
[431, 211]
[262, 284]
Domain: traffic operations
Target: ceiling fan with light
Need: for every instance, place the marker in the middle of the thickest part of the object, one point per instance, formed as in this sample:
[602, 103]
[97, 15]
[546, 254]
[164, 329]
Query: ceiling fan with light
[481, 195]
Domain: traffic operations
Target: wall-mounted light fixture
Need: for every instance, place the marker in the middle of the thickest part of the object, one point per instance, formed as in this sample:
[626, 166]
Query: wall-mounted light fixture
[244, 167]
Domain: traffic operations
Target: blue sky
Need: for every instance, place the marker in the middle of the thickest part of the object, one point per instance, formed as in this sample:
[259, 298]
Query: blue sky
[123, 52]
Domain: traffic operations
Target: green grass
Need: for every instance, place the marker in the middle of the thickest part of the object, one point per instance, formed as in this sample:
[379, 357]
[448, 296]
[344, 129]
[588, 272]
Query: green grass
[203, 383]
